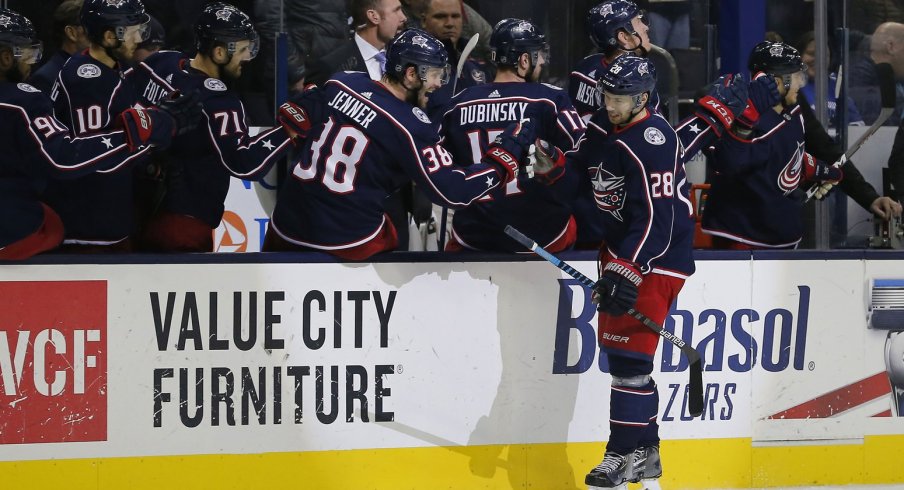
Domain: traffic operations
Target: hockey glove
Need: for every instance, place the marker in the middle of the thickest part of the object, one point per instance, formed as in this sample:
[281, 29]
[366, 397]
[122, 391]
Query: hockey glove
[294, 119]
[509, 148]
[726, 97]
[762, 96]
[184, 109]
[827, 176]
[616, 291]
[146, 127]
[547, 162]
[302, 112]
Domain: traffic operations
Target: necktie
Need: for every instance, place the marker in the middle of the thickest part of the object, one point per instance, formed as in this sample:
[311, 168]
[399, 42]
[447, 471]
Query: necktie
[381, 57]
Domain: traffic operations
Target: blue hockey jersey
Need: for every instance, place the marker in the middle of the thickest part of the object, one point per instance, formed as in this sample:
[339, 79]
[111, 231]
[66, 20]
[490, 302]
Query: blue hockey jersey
[368, 145]
[638, 180]
[201, 161]
[476, 116]
[37, 147]
[751, 198]
[88, 96]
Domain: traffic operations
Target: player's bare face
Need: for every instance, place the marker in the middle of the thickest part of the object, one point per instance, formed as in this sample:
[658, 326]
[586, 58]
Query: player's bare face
[798, 81]
[618, 107]
[443, 20]
[433, 79]
[391, 20]
[242, 55]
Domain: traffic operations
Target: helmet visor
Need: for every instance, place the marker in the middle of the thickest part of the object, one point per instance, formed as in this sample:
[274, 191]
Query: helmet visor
[435, 74]
[618, 103]
[29, 55]
[136, 33]
[246, 49]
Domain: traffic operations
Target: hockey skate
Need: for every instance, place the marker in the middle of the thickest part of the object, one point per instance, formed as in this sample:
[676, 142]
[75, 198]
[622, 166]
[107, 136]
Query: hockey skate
[647, 467]
[615, 471]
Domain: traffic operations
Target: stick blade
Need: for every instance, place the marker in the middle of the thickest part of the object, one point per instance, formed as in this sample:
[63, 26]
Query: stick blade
[695, 388]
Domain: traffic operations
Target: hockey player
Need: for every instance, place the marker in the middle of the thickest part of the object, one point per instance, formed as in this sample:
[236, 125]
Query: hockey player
[91, 89]
[639, 184]
[375, 138]
[479, 113]
[761, 161]
[199, 163]
[39, 147]
[616, 27]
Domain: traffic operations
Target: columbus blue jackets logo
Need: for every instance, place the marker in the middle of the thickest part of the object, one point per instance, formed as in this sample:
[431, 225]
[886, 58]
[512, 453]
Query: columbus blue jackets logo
[115, 3]
[608, 191]
[223, 14]
[420, 41]
[4, 20]
[26, 87]
[654, 136]
[607, 10]
[88, 71]
[215, 85]
[478, 76]
[418, 113]
[789, 179]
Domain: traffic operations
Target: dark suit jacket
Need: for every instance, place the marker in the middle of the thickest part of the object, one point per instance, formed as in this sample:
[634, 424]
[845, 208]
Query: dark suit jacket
[345, 58]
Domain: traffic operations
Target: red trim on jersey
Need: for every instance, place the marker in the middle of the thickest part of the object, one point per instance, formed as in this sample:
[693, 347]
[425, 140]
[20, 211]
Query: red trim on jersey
[48, 236]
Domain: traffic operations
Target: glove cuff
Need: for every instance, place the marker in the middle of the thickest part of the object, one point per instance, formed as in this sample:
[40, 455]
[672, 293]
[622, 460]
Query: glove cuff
[627, 269]
[717, 109]
[506, 163]
[750, 116]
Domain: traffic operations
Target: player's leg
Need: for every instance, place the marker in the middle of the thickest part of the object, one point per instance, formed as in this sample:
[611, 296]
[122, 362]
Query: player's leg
[47, 237]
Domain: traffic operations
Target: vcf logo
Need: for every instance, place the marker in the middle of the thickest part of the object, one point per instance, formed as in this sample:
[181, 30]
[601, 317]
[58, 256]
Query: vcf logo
[53, 364]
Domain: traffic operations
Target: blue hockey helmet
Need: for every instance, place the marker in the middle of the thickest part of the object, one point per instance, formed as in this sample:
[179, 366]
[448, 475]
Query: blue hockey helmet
[418, 48]
[18, 34]
[628, 75]
[606, 19]
[221, 23]
[513, 37]
[99, 16]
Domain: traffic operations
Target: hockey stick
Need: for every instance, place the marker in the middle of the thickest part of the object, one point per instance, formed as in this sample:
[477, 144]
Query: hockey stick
[471, 44]
[887, 96]
[695, 369]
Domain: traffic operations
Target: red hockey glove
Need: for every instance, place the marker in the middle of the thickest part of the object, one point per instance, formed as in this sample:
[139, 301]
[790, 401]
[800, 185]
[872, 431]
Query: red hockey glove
[294, 119]
[725, 97]
[147, 127]
[509, 148]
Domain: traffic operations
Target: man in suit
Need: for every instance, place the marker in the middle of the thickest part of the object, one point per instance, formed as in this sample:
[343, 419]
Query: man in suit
[377, 22]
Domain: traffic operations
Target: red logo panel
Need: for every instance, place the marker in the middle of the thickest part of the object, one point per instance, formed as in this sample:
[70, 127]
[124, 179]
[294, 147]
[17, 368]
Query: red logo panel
[53, 361]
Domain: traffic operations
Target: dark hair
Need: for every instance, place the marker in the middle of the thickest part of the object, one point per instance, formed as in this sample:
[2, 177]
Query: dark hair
[65, 15]
[358, 10]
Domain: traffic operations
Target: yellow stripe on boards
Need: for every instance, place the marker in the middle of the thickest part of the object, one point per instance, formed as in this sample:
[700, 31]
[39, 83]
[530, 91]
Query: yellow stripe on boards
[688, 464]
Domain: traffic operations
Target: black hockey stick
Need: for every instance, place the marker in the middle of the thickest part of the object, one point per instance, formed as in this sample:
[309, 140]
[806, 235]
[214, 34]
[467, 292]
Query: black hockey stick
[695, 385]
[887, 96]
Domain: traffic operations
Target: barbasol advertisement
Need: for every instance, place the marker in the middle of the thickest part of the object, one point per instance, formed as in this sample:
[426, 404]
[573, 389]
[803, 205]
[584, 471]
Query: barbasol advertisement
[165, 359]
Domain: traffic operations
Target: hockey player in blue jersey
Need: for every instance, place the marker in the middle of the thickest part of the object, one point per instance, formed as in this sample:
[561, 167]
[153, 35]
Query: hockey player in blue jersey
[639, 184]
[38, 147]
[199, 163]
[616, 27]
[91, 89]
[761, 162]
[479, 113]
[374, 138]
